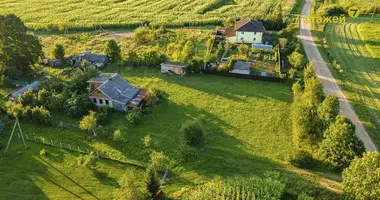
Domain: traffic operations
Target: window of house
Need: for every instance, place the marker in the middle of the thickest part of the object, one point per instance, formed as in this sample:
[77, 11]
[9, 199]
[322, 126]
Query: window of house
[94, 100]
[107, 102]
[254, 39]
[255, 33]
[100, 101]
[242, 33]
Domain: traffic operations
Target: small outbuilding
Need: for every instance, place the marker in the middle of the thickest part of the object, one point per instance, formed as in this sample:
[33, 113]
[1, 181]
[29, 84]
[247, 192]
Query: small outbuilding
[17, 93]
[97, 60]
[173, 68]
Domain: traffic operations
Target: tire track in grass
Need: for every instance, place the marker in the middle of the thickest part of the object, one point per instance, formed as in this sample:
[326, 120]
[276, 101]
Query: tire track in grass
[341, 55]
[354, 45]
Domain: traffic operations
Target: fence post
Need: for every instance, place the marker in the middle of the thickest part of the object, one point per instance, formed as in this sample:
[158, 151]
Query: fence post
[35, 139]
[60, 143]
[79, 149]
[70, 147]
[52, 142]
[27, 137]
[43, 140]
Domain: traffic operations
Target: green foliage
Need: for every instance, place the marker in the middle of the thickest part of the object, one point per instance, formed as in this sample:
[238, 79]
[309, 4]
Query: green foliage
[142, 35]
[192, 133]
[304, 196]
[89, 122]
[43, 152]
[196, 65]
[303, 160]
[130, 188]
[18, 50]
[88, 160]
[14, 109]
[117, 136]
[59, 52]
[328, 110]
[152, 182]
[133, 116]
[103, 115]
[340, 144]
[244, 52]
[28, 98]
[297, 60]
[77, 105]
[268, 188]
[292, 73]
[147, 140]
[158, 160]
[113, 51]
[41, 116]
[362, 178]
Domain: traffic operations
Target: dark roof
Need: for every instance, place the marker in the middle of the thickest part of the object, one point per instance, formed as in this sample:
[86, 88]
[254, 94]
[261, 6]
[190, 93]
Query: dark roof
[102, 77]
[175, 64]
[33, 86]
[95, 58]
[240, 65]
[118, 89]
[249, 25]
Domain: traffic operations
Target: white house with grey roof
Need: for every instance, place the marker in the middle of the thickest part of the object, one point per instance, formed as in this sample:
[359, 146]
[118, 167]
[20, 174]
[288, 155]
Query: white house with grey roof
[110, 89]
[246, 32]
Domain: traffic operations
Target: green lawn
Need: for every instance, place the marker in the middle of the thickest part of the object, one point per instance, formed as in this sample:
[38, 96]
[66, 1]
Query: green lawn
[356, 46]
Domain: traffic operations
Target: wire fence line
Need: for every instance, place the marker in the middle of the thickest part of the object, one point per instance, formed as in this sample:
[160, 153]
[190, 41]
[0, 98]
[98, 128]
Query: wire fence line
[84, 150]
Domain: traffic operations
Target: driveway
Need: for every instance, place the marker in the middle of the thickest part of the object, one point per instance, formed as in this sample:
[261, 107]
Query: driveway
[330, 86]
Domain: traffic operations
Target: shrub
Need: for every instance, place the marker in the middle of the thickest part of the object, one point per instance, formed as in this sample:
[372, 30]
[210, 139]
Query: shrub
[43, 152]
[28, 98]
[130, 188]
[103, 115]
[292, 72]
[88, 160]
[192, 132]
[147, 140]
[153, 184]
[41, 115]
[89, 123]
[117, 136]
[113, 51]
[159, 160]
[59, 52]
[297, 60]
[134, 115]
[361, 179]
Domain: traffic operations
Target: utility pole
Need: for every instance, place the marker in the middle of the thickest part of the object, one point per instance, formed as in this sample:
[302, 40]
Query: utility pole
[373, 14]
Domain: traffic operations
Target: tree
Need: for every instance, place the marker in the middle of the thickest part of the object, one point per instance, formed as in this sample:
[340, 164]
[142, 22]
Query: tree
[89, 123]
[113, 51]
[187, 52]
[59, 52]
[43, 97]
[130, 188]
[77, 105]
[152, 183]
[28, 98]
[192, 132]
[328, 110]
[362, 178]
[41, 115]
[18, 50]
[340, 144]
[297, 60]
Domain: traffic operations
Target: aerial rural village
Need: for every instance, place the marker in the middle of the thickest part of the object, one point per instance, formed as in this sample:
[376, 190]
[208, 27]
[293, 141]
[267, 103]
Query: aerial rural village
[193, 100]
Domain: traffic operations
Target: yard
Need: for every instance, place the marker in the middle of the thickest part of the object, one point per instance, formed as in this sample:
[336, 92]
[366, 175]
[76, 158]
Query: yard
[247, 133]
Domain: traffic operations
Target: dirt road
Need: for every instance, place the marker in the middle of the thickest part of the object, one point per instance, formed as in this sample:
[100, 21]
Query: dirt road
[330, 86]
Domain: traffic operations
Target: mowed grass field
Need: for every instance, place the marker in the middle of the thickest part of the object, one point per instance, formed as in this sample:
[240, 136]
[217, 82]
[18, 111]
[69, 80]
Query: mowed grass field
[248, 132]
[356, 45]
[74, 13]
